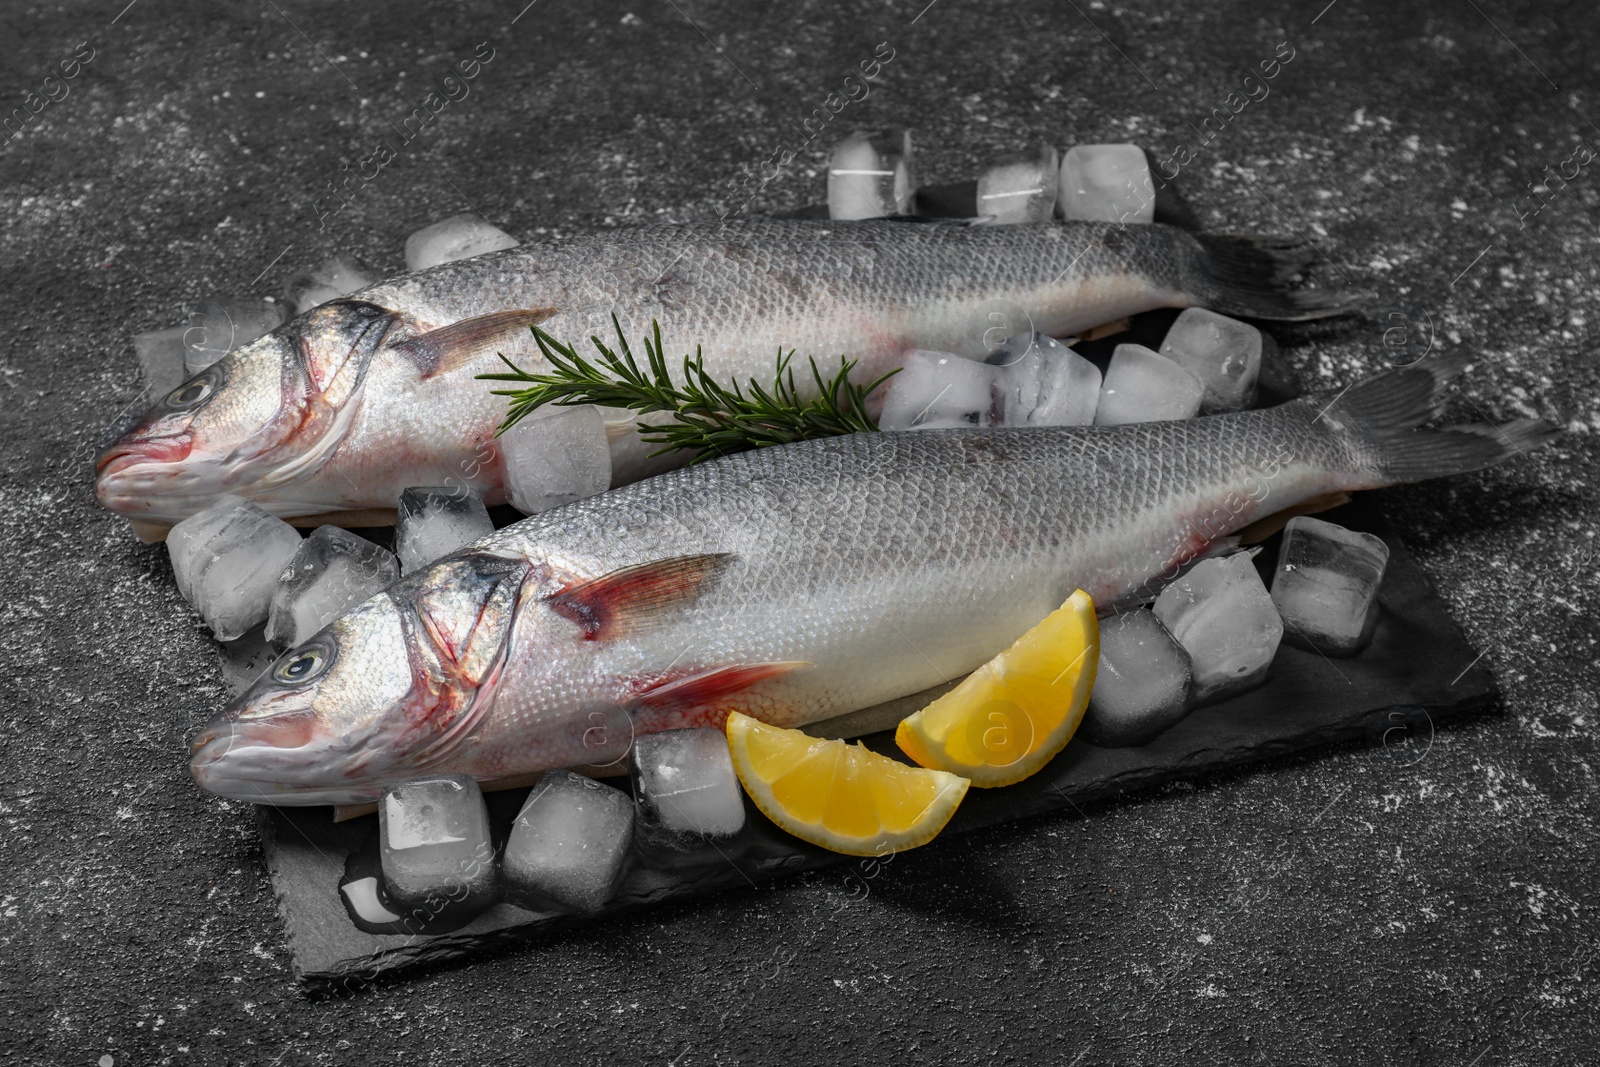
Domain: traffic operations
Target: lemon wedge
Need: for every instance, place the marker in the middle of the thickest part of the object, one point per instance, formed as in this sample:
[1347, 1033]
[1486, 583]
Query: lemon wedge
[1010, 716]
[842, 797]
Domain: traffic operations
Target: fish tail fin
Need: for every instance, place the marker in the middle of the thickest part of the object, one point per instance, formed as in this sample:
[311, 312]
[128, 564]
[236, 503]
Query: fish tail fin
[1382, 419]
[1251, 277]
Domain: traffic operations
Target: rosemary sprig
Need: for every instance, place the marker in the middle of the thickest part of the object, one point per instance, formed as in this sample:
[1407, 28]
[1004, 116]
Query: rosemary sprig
[708, 418]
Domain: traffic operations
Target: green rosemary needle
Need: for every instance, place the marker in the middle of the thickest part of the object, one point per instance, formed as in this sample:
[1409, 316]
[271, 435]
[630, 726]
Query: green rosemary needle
[707, 418]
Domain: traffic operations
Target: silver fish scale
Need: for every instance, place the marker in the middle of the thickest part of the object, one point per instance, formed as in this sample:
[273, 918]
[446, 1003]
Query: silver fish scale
[888, 561]
[798, 283]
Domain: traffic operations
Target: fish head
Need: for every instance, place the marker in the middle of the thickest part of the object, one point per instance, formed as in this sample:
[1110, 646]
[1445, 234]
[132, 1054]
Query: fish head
[254, 423]
[389, 691]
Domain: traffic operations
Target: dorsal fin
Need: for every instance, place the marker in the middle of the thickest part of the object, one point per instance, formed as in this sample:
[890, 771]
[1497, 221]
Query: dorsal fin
[616, 603]
[460, 343]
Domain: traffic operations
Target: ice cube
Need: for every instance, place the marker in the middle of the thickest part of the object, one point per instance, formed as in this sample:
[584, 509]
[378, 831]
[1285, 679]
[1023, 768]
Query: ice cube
[457, 237]
[870, 175]
[684, 783]
[433, 834]
[1042, 382]
[1326, 585]
[1224, 353]
[1142, 684]
[331, 572]
[937, 390]
[435, 521]
[160, 355]
[373, 909]
[328, 280]
[217, 327]
[556, 459]
[1145, 386]
[1224, 618]
[1020, 188]
[1106, 183]
[569, 842]
[227, 560]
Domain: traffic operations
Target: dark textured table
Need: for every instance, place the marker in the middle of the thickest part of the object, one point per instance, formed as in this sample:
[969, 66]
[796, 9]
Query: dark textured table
[1350, 908]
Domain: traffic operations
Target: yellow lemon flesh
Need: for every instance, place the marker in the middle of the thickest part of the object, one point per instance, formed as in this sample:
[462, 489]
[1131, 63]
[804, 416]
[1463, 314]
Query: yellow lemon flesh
[839, 796]
[1009, 717]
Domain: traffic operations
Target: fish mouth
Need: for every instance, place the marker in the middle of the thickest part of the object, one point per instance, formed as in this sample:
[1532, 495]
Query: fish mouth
[249, 760]
[151, 479]
[278, 760]
[119, 457]
[215, 763]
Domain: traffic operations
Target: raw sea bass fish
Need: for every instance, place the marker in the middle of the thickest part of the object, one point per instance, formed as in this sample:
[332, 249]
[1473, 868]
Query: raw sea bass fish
[793, 584]
[346, 406]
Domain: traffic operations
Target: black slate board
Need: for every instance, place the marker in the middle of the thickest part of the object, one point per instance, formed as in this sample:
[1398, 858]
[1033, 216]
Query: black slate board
[1419, 672]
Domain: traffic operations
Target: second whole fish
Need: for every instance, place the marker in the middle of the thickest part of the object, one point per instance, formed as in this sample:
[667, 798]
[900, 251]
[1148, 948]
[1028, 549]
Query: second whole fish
[794, 584]
[336, 412]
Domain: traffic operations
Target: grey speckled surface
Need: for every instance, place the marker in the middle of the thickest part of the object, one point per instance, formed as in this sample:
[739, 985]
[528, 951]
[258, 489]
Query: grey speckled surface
[1338, 910]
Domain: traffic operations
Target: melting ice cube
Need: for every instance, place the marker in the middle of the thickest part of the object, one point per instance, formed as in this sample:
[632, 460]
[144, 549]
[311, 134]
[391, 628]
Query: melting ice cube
[160, 355]
[937, 390]
[435, 521]
[684, 782]
[332, 572]
[227, 560]
[870, 175]
[1042, 382]
[1326, 585]
[1106, 183]
[361, 896]
[328, 280]
[434, 843]
[1224, 353]
[1021, 188]
[217, 327]
[569, 842]
[1142, 684]
[457, 237]
[1224, 618]
[1145, 386]
[555, 459]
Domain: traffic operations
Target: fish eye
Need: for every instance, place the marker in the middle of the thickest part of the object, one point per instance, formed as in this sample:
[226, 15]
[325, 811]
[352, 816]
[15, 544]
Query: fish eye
[302, 666]
[194, 392]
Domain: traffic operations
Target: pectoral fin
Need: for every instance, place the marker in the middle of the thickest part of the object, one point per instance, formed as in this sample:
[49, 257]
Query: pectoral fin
[149, 533]
[709, 686]
[459, 343]
[617, 603]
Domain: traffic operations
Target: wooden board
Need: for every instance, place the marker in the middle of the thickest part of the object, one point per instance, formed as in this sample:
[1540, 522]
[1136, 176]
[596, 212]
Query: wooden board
[1418, 673]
